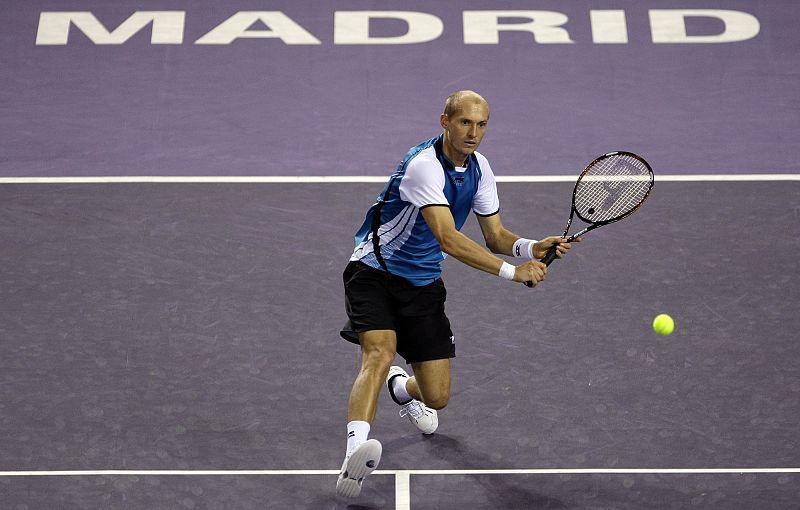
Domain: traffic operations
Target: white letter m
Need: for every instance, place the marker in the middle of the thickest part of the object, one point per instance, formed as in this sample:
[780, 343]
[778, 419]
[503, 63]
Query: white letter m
[54, 27]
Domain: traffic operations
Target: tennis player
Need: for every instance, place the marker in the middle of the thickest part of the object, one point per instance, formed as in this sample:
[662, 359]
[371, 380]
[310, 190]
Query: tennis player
[393, 290]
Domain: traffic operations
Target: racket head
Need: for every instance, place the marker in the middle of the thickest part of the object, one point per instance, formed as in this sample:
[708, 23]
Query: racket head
[612, 187]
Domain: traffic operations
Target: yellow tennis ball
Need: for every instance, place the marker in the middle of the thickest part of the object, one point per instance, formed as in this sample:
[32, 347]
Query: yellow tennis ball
[663, 324]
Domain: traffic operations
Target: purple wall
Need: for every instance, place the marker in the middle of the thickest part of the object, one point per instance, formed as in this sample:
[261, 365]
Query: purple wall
[262, 107]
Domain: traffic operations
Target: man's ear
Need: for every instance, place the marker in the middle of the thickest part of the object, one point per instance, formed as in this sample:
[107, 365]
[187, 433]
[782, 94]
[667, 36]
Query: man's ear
[444, 120]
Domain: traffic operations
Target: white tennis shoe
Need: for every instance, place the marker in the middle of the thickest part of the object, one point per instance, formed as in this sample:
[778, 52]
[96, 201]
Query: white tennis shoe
[422, 416]
[363, 461]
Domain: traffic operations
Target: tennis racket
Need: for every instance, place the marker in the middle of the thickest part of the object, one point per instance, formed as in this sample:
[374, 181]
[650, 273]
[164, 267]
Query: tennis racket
[610, 188]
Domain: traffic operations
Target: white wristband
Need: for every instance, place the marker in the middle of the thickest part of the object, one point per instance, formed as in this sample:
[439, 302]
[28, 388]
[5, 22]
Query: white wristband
[524, 247]
[507, 271]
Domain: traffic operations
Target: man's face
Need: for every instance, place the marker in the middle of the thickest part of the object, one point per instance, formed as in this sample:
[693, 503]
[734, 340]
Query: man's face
[464, 130]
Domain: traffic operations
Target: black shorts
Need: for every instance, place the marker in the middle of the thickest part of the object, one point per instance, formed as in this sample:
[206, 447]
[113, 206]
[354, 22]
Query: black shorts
[375, 299]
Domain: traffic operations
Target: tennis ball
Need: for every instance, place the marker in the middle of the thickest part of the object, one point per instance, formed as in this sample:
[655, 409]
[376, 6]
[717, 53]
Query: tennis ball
[663, 324]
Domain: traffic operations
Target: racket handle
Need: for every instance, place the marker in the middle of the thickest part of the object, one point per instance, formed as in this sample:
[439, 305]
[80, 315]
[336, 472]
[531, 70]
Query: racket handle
[551, 256]
[548, 258]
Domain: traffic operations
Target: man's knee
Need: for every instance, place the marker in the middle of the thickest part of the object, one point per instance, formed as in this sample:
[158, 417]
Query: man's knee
[433, 381]
[435, 396]
[378, 359]
[378, 350]
[437, 401]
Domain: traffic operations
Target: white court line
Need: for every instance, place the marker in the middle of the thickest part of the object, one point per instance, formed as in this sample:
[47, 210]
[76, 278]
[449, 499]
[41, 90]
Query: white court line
[400, 472]
[325, 179]
[402, 491]
[402, 478]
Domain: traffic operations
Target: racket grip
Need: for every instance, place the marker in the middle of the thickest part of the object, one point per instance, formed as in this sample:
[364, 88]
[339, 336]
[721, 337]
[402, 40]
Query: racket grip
[551, 256]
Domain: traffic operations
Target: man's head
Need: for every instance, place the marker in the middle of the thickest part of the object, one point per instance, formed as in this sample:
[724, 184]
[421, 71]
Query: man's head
[465, 117]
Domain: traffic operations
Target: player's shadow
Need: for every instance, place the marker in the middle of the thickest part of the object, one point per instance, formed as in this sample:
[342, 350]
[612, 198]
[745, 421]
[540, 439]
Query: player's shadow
[500, 489]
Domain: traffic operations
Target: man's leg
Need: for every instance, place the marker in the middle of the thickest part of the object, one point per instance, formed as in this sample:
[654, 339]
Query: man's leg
[421, 395]
[363, 455]
[378, 348]
[431, 383]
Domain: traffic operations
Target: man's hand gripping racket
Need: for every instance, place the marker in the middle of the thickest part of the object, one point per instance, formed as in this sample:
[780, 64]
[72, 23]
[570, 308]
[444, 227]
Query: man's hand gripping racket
[610, 188]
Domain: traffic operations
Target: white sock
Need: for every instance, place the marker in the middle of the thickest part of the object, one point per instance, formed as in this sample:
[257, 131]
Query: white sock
[399, 389]
[357, 433]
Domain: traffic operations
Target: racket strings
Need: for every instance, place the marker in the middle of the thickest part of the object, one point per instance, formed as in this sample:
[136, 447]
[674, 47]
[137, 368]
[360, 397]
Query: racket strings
[596, 203]
[611, 188]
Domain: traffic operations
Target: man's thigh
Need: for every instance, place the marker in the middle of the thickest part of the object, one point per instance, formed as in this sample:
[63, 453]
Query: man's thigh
[433, 380]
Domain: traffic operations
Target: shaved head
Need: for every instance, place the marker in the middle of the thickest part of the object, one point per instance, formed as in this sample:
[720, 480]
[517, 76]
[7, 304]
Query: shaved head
[458, 99]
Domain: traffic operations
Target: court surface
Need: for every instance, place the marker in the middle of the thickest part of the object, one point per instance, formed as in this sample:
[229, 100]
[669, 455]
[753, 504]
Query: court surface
[183, 327]
[175, 218]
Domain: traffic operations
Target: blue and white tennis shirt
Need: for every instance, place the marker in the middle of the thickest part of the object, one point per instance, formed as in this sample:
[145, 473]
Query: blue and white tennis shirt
[404, 244]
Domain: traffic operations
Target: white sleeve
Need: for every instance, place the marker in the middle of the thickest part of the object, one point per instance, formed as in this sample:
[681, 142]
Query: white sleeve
[423, 183]
[486, 201]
